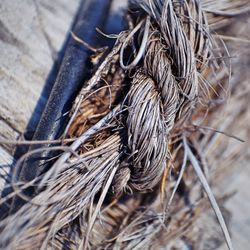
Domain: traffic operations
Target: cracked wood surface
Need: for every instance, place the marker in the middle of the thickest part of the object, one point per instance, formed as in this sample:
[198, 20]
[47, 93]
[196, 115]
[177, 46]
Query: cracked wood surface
[32, 33]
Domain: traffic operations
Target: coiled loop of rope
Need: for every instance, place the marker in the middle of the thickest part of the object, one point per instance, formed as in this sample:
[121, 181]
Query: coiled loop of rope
[164, 88]
[143, 44]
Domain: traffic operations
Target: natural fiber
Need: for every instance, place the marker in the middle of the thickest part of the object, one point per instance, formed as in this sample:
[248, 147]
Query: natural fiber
[136, 124]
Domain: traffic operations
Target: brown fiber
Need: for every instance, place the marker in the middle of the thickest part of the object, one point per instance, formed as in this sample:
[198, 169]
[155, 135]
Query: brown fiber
[137, 122]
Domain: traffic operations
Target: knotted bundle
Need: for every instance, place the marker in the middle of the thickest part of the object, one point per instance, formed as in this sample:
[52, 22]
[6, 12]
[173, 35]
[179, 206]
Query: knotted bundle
[131, 121]
[164, 88]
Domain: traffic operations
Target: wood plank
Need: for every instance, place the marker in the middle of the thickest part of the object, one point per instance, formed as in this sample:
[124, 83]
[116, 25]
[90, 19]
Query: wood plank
[31, 34]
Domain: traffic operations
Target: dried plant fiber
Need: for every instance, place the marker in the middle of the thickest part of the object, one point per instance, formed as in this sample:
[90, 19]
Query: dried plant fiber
[131, 178]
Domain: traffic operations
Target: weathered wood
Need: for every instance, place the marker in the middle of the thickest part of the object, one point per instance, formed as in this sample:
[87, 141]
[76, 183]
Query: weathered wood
[31, 34]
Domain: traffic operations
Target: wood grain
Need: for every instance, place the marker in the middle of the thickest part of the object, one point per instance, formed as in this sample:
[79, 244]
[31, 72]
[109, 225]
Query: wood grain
[31, 35]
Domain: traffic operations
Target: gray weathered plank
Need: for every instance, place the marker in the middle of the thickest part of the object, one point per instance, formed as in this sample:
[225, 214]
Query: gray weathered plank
[31, 34]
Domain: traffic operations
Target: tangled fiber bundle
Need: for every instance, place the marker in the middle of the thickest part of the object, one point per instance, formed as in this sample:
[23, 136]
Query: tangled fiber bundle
[135, 124]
